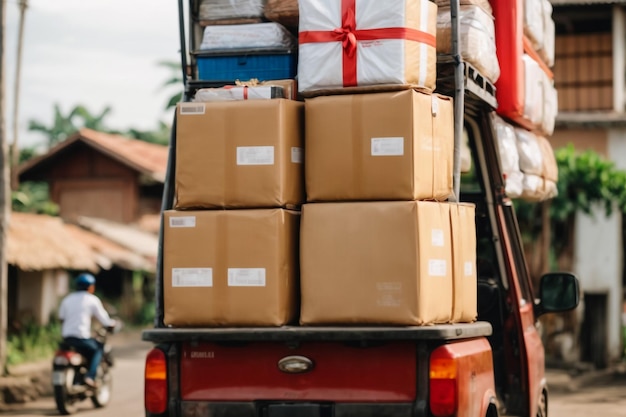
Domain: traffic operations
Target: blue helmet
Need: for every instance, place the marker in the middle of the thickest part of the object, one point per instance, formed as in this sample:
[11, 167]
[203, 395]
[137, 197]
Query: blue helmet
[84, 281]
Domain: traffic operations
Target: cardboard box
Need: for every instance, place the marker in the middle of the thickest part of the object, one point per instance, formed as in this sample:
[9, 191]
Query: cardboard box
[376, 263]
[239, 154]
[464, 276]
[382, 146]
[230, 267]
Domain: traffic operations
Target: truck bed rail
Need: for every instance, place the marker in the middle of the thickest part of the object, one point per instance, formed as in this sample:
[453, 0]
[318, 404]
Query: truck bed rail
[301, 333]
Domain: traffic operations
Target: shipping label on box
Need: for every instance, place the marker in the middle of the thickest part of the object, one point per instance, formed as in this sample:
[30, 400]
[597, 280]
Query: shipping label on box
[351, 43]
[376, 263]
[230, 267]
[382, 146]
[239, 154]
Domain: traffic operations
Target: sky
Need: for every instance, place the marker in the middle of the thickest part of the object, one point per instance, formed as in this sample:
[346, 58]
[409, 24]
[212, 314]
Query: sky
[97, 53]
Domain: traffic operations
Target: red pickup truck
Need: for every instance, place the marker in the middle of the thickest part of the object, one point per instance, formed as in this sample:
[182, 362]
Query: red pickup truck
[488, 368]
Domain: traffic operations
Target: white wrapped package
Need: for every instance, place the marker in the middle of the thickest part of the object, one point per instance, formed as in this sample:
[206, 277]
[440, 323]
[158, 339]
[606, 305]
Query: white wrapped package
[509, 156]
[546, 51]
[550, 106]
[533, 22]
[530, 154]
[231, 9]
[533, 90]
[247, 36]
[232, 93]
[533, 188]
[477, 40]
[371, 43]
[550, 170]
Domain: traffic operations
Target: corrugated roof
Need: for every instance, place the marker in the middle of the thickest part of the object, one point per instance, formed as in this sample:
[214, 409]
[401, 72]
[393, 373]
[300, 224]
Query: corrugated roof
[141, 242]
[38, 242]
[109, 253]
[147, 158]
[585, 2]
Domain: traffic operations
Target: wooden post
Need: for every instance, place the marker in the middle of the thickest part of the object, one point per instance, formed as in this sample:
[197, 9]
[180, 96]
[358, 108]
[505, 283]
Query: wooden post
[4, 197]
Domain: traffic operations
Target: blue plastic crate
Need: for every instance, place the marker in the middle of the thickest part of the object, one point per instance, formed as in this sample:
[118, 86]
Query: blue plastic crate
[243, 65]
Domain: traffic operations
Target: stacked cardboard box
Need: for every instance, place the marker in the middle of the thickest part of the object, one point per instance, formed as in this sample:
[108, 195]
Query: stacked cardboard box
[379, 242]
[231, 244]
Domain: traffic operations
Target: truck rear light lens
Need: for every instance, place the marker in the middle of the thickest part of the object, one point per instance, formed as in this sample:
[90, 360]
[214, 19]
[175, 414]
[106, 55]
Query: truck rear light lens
[155, 395]
[443, 383]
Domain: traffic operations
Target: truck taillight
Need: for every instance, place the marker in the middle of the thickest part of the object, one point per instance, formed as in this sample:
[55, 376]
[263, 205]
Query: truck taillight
[443, 383]
[155, 395]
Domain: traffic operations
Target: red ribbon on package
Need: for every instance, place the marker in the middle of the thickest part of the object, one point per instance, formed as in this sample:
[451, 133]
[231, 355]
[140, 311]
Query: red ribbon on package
[349, 35]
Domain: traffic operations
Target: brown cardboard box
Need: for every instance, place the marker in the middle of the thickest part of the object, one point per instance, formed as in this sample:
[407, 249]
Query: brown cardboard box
[230, 267]
[382, 146]
[376, 263]
[239, 154]
[464, 279]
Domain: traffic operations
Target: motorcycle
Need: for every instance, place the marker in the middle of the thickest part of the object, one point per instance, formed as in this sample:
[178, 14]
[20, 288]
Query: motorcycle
[69, 369]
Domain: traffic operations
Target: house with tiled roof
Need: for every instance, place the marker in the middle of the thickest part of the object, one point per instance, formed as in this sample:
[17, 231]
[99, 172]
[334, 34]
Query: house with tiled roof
[108, 188]
[95, 174]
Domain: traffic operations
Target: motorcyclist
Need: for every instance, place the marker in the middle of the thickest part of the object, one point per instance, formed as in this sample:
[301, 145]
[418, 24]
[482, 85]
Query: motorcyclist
[76, 312]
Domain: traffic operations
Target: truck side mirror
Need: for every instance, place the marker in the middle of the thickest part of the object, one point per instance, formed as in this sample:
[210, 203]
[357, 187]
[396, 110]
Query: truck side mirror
[558, 292]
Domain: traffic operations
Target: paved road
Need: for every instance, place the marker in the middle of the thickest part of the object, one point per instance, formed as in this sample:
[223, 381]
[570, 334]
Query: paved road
[128, 386]
[606, 398]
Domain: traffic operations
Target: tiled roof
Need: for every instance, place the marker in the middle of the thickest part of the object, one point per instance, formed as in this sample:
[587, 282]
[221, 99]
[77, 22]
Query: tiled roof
[37, 242]
[149, 159]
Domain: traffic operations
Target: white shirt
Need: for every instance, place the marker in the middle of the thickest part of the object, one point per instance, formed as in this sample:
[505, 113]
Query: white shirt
[76, 311]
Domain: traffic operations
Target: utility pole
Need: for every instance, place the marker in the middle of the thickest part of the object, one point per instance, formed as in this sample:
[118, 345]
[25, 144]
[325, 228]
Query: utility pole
[4, 200]
[14, 148]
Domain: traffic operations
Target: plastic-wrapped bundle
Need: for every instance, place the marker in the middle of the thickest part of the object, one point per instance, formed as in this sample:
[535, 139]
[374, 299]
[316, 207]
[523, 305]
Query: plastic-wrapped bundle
[533, 90]
[509, 157]
[550, 171]
[533, 22]
[546, 50]
[285, 12]
[234, 93]
[230, 10]
[550, 106]
[477, 40]
[533, 188]
[530, 154]
[257, 36]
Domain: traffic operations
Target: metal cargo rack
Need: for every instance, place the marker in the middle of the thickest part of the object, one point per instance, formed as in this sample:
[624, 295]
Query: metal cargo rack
[456, 78]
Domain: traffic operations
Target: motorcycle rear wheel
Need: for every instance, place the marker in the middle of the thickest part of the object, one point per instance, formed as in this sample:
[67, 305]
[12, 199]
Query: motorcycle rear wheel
[102, 394]
[65, 404]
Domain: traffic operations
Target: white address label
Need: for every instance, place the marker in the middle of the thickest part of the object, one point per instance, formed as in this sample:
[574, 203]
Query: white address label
[296, 155]
[387, 146]
[469, 268]
[187, 221]
[437, 238]
[192, 108]
[255, 155]
[437, 268]
[246, 277]
[192, 277]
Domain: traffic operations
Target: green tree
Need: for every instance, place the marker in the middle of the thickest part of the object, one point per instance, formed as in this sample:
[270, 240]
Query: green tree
[175, 80]
[160, 136]
[586, 180]
[64, 126]
[33, 197]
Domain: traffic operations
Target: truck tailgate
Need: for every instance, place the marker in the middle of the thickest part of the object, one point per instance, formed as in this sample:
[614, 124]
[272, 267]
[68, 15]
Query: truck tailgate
[339, 371]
